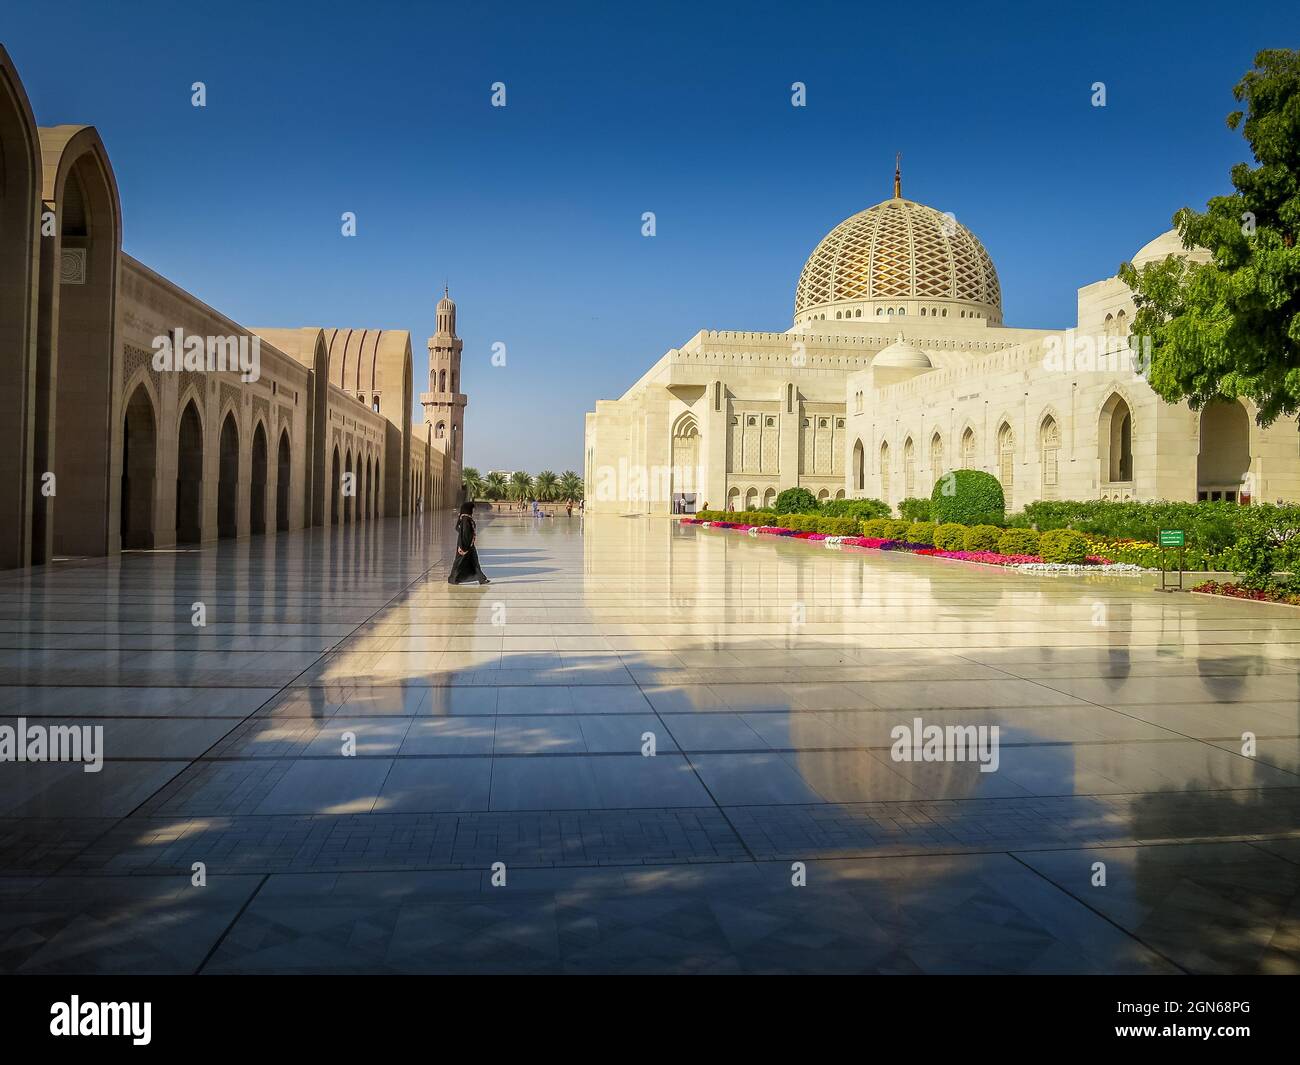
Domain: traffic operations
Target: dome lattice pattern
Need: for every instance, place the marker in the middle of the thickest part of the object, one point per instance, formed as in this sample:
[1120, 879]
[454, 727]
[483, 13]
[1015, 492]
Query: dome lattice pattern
[898, 249]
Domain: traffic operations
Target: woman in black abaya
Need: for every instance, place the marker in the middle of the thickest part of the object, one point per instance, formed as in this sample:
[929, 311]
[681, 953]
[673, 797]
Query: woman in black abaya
[466, 567]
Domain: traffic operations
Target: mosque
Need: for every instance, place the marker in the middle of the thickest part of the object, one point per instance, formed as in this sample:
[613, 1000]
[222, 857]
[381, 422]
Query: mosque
[113, 441]
[897, 368]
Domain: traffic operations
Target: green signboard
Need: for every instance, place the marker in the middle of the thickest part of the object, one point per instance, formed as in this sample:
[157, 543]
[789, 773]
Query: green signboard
[1172, 538]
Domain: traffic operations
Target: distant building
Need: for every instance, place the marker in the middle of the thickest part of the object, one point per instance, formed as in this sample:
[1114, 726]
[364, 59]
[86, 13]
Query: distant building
[128, 417]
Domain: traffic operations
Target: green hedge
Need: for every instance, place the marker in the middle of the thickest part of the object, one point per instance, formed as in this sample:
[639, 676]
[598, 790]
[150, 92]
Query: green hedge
[1018, 542]
[971, 497]
[861, 509]
[1210, 526]
[914, 509]
[921, 532]
[1063, 545]
[982, 538]
[950, 536]
[897, 529]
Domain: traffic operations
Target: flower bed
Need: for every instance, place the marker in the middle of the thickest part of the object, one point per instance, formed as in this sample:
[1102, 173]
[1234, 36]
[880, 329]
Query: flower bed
[1257, 595]
[1032, 563]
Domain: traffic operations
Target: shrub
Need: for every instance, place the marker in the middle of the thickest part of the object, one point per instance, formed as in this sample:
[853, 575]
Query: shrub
[897, 530]
[861, 509]
[950, 537]
[1063, 545]
[921, 532]
[982, 538]
[837, 526]
[1018, 542]
[914, 509]
[1213, 527]
[798, 522]
[971, 497]
[877, 527]
[796, 501]
[1267, 550]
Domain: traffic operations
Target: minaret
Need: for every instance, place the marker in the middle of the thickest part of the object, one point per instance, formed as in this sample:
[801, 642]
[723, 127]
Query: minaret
[444, 403]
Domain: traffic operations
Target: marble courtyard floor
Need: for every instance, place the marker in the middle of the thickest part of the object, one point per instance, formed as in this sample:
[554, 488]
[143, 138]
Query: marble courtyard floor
[505, 724]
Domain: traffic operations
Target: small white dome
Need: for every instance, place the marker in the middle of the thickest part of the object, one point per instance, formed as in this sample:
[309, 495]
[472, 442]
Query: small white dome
[903, 353]
[1167, 244]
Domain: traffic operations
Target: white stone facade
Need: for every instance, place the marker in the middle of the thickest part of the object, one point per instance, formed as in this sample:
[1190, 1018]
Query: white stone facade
[897, 370]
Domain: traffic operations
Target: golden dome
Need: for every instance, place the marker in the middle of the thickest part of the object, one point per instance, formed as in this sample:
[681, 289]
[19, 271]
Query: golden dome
[899, 256]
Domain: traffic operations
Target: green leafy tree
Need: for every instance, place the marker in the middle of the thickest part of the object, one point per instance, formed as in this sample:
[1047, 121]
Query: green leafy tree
[570, 486]
[1230, 327]
[547, 485]
[796, 501]
[473, 482]
[494, 485]
[521, 485]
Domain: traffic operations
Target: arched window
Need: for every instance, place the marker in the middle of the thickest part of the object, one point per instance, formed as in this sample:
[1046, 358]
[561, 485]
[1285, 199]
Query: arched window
[1049, 448]
[936, 456]
[439, 431]
[968, 449]
[1223, 463]
[909, 468]
[1115, 437]
[884, 471]
[1007, 460]
[859, 466]
[751, 499]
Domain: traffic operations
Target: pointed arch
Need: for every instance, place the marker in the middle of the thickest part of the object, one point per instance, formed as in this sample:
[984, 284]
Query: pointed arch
[884, 470]
[936, 456]
[969, 449]
[189, 474]
[1007, 460]
[283, 481]
[685, 463]
[20, 201]
[336, 485]
[139, 466]
[1224, 457]
[1049, 457]
[350, 487]
[1115, 440]
[228, 479]
[909, 468]
[258, 478]
[859, 466]
[76, 343]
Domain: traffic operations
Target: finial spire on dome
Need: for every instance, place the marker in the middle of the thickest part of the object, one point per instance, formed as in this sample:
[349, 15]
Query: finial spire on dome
[898, 176]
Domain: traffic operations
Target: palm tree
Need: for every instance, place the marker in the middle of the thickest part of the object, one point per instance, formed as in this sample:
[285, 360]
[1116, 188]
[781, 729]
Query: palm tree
[473, 482]
[494, 486]
[547, 485]
[521, 485]
[570, 486]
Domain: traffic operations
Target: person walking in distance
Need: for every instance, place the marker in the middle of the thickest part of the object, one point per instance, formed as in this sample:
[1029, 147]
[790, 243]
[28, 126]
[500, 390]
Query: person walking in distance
[465, 567]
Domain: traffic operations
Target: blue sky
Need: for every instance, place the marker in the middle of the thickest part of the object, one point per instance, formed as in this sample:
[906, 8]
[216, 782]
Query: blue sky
[532, 212]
